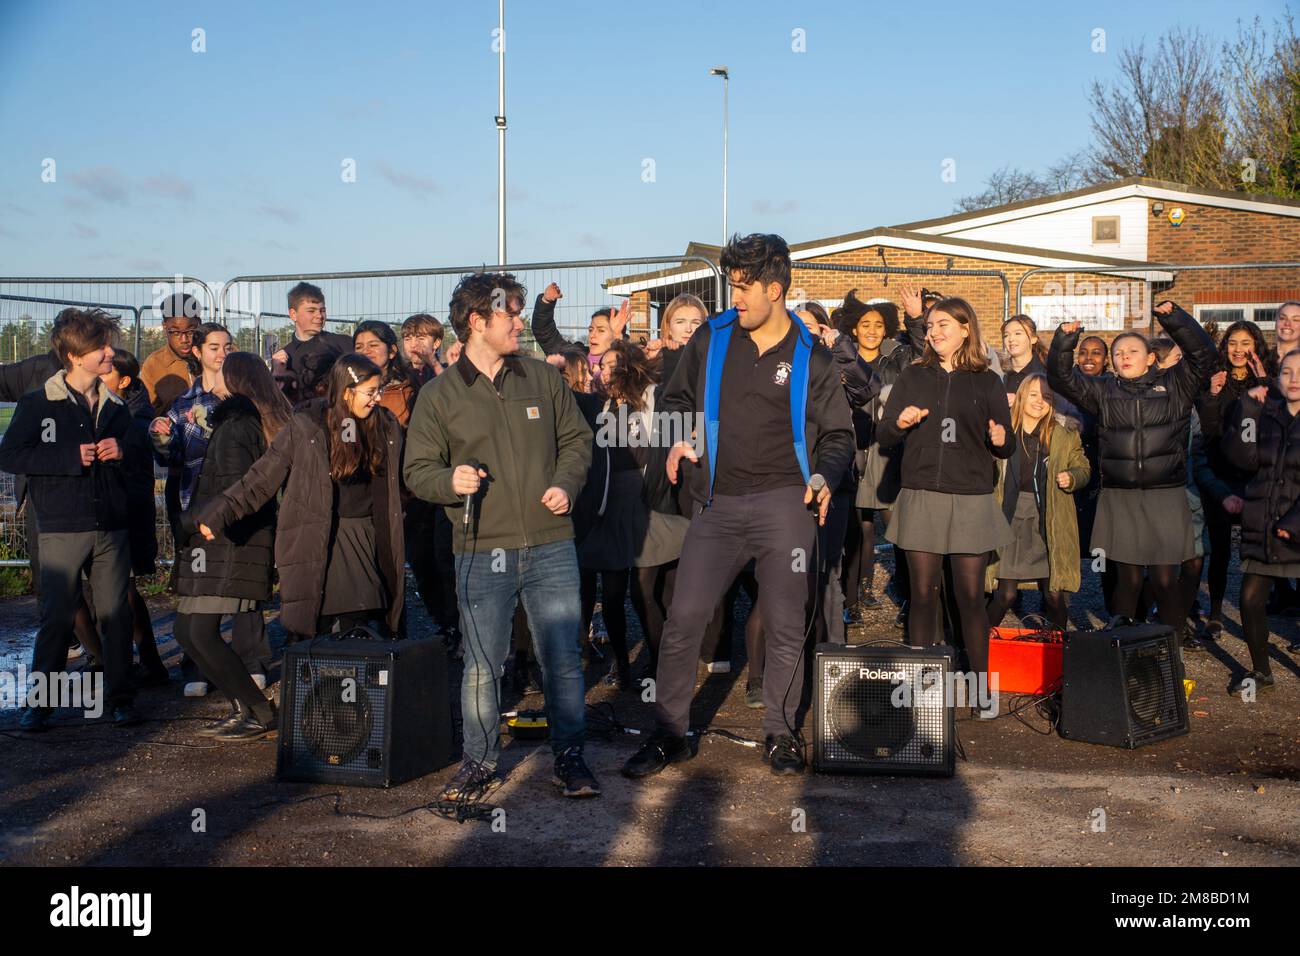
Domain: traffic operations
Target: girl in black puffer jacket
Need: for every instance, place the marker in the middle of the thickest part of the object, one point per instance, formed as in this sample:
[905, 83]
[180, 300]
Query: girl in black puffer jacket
[231, 574]
[1143, 520]
[1265, 440]
[1242, 353]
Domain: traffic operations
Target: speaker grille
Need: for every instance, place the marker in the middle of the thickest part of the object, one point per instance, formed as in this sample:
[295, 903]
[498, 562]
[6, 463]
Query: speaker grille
[1149, 674]
[341, 708]
[863, 725]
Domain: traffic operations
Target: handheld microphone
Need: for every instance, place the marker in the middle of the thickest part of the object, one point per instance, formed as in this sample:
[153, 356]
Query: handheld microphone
[816, 483]
[469, 498]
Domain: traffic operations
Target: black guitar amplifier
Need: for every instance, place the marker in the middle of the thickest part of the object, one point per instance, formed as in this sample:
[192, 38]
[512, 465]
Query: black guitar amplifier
[361, 710]
[1123, 688]
[865, 721]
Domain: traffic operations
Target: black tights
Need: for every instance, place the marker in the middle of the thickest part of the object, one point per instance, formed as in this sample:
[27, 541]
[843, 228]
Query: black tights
[652, 596]
[200, 636]
[1254, 618]
[1189, 583]
[1163, 581]
[924, 622]
[1219, 523]
[1056, 604]
[860, 555]
[613, 595]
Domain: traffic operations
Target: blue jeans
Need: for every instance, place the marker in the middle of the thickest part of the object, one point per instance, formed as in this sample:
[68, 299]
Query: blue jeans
[488, 585]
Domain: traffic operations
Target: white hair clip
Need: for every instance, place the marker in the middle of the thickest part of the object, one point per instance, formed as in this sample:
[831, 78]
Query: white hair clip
[355, 380]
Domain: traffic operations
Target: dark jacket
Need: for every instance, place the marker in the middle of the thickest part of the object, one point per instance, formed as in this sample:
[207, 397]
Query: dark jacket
[298, 460]
[861, 387]
[548, 337]
[828, 426]
[1143, 421]
[68, 497]
[950, 450]
[142, 512]
[1011, 380]
[238, 563]
[594, 495]
[16, 380]
[525, 431]
[1273, 493]
[1224, 479]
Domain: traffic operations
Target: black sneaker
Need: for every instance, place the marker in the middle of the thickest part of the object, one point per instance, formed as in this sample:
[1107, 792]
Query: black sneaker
[125, 715]
[247, 728]
[867, 599]
[657, 752]
[855, 615]
[36, 720]
[754, 696]
[473, 781]
[1263, 681]
[572, 774]
[783, 754]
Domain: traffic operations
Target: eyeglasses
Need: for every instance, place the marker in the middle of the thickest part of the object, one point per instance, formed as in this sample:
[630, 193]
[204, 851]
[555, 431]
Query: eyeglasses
[177, 333]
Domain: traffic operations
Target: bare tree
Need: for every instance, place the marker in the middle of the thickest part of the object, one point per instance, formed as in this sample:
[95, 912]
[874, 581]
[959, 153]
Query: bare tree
[1262, 86]
[1164, 117]
[1005, 185]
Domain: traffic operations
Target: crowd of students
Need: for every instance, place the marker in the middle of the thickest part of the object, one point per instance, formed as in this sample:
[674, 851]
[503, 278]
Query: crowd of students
[348, 458]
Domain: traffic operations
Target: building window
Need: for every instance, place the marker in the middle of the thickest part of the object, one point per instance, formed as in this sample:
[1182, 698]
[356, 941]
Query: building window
[1105, 228]
[1261, 313]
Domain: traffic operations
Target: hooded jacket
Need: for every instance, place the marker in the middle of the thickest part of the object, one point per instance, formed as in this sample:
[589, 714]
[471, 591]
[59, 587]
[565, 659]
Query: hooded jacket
[1143, 422]
[1272, 498]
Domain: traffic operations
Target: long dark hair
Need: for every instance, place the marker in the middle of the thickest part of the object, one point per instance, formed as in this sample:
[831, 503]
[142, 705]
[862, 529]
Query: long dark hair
[196, 343]
[626, 382]
[127, 365]
[368, 449]
[246, 374]
[399, 370]
[1262, 351]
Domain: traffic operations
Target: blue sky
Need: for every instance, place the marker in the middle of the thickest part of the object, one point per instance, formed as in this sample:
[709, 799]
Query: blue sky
[229, 161]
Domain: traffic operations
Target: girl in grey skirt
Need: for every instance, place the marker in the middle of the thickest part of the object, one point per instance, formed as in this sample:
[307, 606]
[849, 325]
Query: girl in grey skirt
[950, 413]
[1144, 413]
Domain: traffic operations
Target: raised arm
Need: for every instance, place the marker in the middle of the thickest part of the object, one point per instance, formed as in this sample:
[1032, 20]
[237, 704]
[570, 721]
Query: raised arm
[1199, 354]
[544, 330]
[1082, 391]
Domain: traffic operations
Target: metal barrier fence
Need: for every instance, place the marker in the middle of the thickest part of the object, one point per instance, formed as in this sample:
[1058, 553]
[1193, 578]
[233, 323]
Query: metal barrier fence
[828, 282]
[1115, 298]
[28, 307]
[393, 295]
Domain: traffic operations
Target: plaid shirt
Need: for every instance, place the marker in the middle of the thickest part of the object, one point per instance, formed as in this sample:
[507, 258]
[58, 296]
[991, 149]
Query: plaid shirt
[188, 442]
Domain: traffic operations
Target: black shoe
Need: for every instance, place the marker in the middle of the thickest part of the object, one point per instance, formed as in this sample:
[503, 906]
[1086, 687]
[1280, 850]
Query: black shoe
[125, 715]
[1119, 620]
[656, 753]
[784, 755]
[1213, 628]
[224, 723]
[247, 728]
[867, 599]
[855, 615]
[754, 696]
[1191, 643]
[1262, 681]
[1294, 646]
[900, 619]
[473, 781]
[572, 774]
[36, 720]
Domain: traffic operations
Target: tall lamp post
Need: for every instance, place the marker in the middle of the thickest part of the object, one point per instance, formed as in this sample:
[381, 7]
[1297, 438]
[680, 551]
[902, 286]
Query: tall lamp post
[501, 134]
[726, 81]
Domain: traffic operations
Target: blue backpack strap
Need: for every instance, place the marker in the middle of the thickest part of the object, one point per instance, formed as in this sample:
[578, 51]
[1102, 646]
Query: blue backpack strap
[719, 338]
[803, 345]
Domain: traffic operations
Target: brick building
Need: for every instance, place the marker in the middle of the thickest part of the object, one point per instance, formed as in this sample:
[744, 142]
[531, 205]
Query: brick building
[1135, 229]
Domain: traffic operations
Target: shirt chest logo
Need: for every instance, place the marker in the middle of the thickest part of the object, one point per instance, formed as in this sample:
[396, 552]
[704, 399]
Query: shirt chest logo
[534, 412]
[782, 374]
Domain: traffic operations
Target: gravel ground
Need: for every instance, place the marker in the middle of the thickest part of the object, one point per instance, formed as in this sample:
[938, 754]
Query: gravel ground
[1226, 794]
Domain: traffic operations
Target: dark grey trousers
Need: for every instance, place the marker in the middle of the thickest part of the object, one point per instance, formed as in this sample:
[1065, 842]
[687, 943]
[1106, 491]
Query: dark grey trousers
[106, 557]
[778, 531]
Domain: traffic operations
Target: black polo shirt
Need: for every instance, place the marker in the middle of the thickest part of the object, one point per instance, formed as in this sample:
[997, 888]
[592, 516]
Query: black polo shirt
[755, 438]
